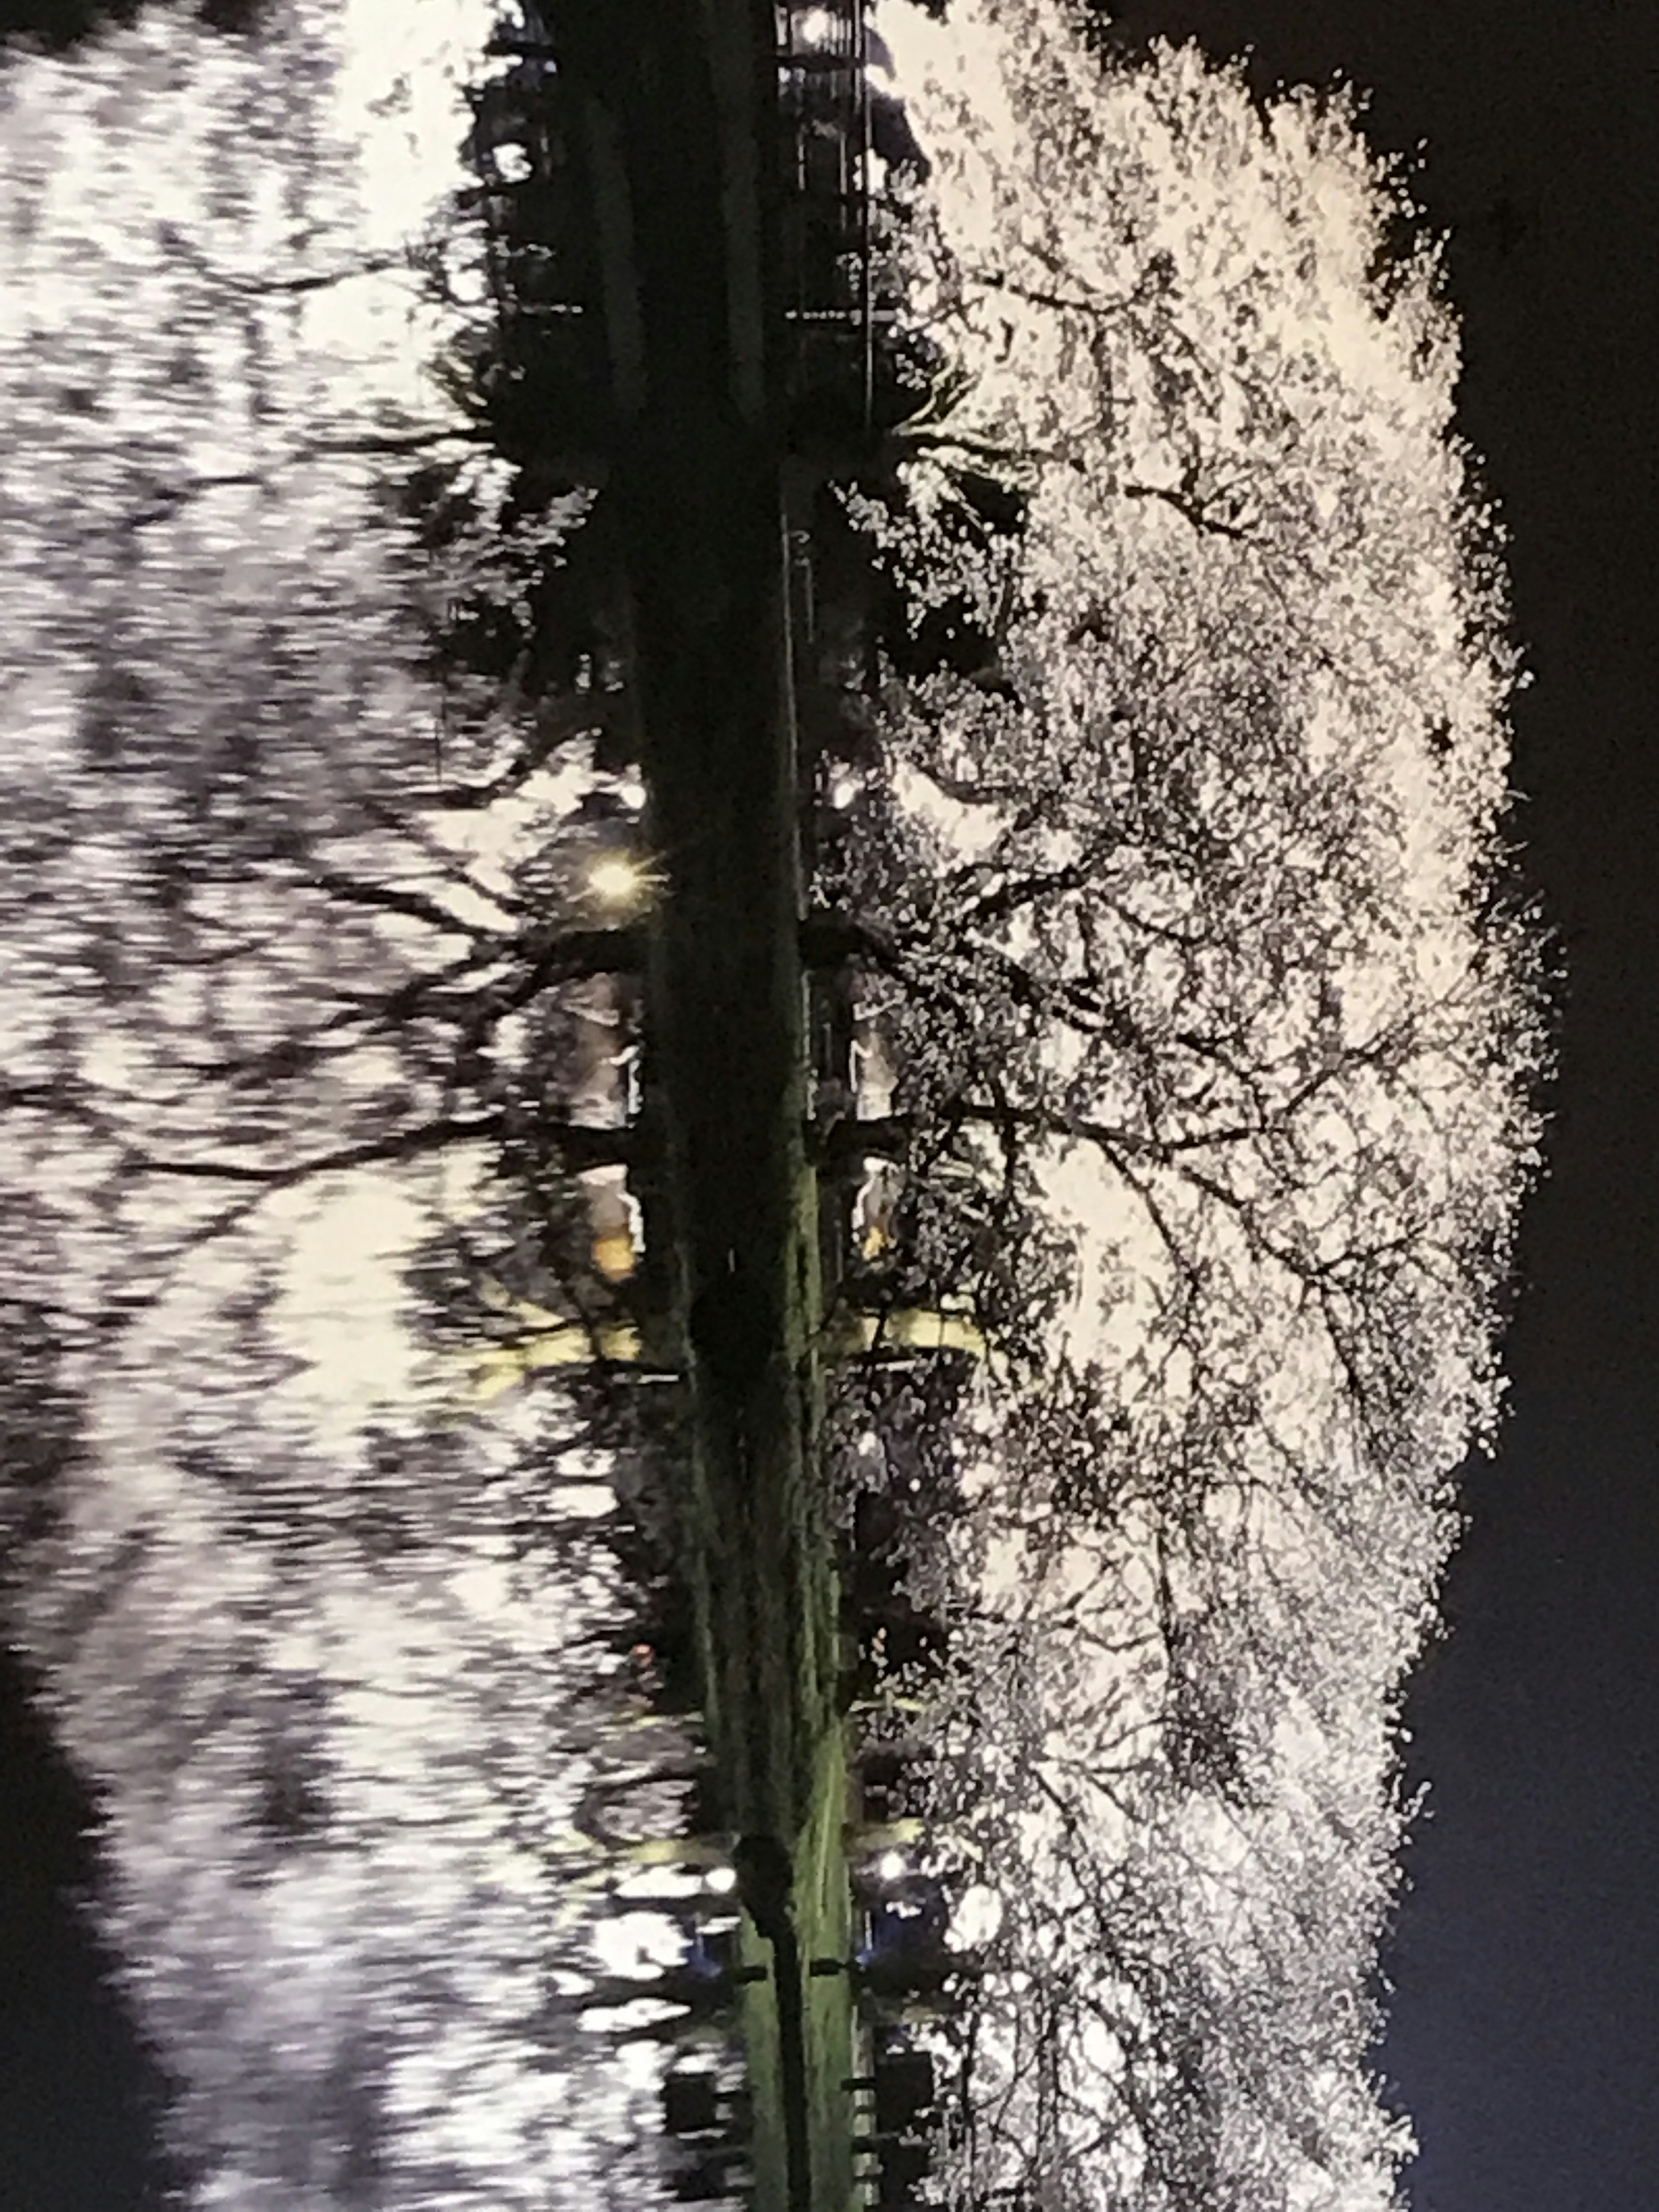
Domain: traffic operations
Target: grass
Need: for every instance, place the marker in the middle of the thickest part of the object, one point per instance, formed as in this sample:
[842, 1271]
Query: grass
[823, 1917]
[726, 1034]
[761, 1567]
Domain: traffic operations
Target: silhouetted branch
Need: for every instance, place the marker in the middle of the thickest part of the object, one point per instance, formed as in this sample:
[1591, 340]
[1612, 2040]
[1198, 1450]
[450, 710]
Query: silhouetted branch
[399, 1145]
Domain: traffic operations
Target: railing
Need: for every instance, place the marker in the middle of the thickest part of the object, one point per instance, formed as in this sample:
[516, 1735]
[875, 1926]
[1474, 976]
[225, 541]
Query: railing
[823, 89]
[536, 265]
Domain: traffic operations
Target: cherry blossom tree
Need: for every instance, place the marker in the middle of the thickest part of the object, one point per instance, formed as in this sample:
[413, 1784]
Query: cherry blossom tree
[1187, 920]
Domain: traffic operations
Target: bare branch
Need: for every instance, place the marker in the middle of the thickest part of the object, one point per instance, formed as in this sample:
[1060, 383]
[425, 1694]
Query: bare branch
[399, 1145]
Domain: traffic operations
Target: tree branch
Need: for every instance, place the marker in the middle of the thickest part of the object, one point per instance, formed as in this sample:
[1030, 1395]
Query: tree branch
[829, 938]
[400, 1145]
[167, 499]
[584, 714]
[1190, 509]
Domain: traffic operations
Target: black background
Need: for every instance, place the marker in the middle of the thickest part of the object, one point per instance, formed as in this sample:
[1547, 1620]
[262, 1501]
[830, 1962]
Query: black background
[1525, 2024]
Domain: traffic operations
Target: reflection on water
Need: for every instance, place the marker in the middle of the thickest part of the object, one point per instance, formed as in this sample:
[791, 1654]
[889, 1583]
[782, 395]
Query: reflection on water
[396, 1819]
[369, 1664]
[395, 1815]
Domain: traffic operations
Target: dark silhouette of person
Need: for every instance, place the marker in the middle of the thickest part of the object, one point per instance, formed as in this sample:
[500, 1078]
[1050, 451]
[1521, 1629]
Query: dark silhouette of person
[765, 1880]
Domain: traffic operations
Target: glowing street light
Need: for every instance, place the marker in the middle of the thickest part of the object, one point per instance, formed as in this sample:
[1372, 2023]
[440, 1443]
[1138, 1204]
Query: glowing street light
[619, 883]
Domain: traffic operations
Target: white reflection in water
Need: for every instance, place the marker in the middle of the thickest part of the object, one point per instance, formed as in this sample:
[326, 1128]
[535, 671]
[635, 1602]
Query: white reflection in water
[639, 1945]
[341, 1654]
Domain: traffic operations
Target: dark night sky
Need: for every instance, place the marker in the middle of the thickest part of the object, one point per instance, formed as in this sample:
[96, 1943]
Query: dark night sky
[1526, 2023]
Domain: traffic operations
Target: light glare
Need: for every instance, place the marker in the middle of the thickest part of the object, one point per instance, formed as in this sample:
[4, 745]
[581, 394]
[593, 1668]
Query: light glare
[616, 882]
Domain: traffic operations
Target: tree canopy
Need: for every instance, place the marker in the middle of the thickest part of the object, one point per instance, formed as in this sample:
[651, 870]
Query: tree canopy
[1191, 923]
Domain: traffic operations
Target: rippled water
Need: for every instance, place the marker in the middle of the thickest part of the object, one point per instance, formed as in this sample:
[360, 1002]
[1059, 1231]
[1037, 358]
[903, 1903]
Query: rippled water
[343, 1648]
